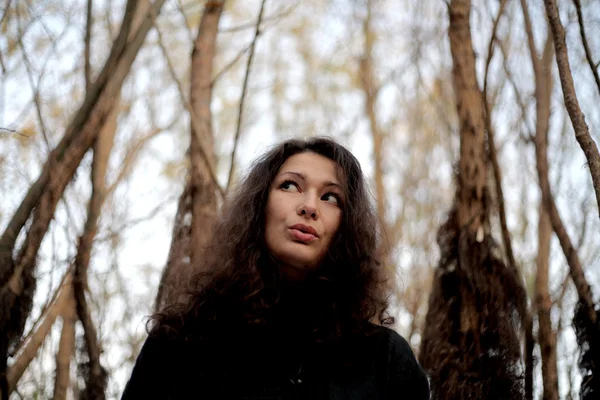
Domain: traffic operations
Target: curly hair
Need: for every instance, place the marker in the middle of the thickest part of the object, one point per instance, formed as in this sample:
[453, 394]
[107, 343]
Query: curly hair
[239, 280]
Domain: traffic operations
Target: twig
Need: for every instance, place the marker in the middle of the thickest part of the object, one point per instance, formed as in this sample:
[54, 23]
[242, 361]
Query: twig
[518, 97]
[34, 88]
[588, 52]
[13, 131]
[86, 52]
[275, 17]
[237, 57]
[243, 96]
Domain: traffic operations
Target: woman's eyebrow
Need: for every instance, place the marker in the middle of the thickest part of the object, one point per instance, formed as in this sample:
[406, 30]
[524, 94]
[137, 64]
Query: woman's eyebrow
[303, 177]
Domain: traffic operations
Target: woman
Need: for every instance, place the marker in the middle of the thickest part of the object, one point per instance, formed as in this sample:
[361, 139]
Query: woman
[283, 306]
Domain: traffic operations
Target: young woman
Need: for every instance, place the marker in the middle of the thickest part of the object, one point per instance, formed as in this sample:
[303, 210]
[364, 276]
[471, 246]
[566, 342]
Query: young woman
[291, 302]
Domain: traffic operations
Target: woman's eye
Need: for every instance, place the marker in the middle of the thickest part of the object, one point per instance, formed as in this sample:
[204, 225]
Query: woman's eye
[289, 186]
[331, 198]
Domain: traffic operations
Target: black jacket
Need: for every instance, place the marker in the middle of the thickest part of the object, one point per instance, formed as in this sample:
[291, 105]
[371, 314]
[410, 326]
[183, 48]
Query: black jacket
[274, 365]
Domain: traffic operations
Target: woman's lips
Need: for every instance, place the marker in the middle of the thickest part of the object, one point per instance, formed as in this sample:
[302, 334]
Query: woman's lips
[302, 236]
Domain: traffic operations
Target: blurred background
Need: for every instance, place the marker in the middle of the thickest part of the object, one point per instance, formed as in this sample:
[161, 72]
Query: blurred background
[375, 75]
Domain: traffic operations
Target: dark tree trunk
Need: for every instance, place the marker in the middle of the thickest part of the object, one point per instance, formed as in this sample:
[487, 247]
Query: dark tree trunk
[471, 343]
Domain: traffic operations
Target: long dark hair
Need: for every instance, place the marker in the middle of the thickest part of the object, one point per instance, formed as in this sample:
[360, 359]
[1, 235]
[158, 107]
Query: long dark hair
[239, 274]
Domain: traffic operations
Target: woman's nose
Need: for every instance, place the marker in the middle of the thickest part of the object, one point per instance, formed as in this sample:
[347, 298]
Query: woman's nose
[308, 207]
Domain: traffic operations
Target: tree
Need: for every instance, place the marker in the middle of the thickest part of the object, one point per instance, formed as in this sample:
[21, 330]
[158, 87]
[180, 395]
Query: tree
[17, 274]
[471, 343]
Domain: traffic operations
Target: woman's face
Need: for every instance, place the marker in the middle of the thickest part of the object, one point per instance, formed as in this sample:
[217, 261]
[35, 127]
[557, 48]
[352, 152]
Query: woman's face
[303, 212]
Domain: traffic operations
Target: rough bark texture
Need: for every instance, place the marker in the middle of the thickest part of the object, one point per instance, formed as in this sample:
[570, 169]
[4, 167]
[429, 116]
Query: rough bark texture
[180, 246]
[199, 195]
[39, 204]
[471, 344]
[582, 133]
[586, 324]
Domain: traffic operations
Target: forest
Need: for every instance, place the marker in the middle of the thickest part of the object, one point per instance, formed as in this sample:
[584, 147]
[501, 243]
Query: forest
[125, 123]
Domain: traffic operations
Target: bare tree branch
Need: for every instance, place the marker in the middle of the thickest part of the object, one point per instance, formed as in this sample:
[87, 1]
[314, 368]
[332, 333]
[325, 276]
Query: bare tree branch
[586, 46]
[34, 88]
[582, 133]
[243, 96]
[29, 350]
[87, 42]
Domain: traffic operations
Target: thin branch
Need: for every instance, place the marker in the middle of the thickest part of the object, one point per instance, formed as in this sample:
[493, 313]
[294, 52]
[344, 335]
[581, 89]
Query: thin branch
[238, 56]
[87, 40]
[30, 348]
[243, 96]
[515, 87]
[492, 146]
[14, 131]
[249, 25]
[193, 117]
[34, 87]
[65, 279]
[588, 52]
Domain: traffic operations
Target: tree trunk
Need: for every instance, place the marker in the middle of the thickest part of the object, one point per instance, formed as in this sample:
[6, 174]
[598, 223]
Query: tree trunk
[66, 349]
[546, 336]
[471, 344]
[198, 202]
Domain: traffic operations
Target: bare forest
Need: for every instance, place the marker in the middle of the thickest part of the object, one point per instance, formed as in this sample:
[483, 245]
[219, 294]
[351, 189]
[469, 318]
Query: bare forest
[124, 124]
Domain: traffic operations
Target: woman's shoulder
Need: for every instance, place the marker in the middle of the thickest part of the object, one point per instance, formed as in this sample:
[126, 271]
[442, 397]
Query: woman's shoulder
[404, 373]
[392, 339]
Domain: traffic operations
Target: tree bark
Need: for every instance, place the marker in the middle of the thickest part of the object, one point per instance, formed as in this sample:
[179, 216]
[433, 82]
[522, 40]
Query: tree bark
[582, 133]
[199, 196]
[66, 349]
[204, 200]
[471, 344]
[472, 165]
